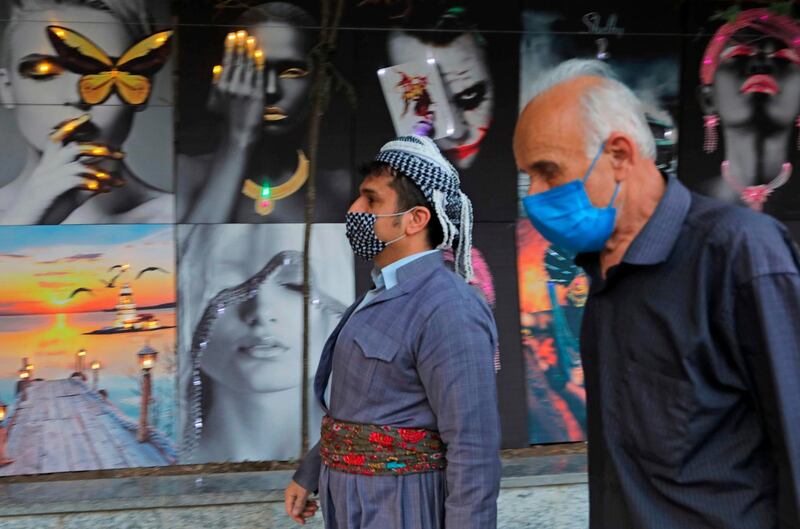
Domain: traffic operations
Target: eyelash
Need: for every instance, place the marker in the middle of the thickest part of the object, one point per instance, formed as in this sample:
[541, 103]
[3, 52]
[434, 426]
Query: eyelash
[471, 98]
[747, 51]
[737, 51]
[30, 69]
[293, 73]
[550, 174]
[787, 54]
[293, 287]
[547, 173]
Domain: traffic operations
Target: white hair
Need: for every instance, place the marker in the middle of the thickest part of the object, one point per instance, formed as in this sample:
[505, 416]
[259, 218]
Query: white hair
[608, 107]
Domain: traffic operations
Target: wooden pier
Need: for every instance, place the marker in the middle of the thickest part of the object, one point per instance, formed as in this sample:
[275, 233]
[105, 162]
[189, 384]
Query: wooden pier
[65, 426]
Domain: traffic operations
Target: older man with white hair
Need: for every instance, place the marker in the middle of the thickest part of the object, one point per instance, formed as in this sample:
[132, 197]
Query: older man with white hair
[690, 339]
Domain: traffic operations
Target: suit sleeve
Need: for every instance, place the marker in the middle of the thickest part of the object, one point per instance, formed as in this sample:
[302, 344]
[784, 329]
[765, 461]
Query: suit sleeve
[767, 320]
[307, 476]
[455, 364]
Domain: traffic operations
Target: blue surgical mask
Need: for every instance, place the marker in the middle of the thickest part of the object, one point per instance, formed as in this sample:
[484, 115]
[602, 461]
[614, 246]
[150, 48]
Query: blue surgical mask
[566, 217]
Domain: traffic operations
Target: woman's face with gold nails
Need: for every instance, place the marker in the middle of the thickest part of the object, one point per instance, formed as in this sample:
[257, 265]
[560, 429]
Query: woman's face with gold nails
[43, 93]
[287, 75]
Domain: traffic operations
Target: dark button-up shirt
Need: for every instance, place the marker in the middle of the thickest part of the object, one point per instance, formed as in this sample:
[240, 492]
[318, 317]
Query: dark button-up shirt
[691, 351]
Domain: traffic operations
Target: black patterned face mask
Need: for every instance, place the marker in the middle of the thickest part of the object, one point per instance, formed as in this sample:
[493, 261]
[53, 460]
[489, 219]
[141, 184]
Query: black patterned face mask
[360, 231]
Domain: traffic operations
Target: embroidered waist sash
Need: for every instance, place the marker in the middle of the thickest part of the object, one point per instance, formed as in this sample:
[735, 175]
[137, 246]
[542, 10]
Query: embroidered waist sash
[380, 450]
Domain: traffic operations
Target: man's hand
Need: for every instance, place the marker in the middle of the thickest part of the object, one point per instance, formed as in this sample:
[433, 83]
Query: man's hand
[298, 506]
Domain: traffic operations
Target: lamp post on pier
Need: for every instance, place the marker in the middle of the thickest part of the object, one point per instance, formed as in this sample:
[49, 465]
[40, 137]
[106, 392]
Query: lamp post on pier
[3, 435]
[27, 366]
[95, 374]
[147, 359]
[22, 384]
[79, 359]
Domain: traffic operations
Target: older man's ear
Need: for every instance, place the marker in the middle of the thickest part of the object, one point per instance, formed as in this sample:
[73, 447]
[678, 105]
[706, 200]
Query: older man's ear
[624, 154]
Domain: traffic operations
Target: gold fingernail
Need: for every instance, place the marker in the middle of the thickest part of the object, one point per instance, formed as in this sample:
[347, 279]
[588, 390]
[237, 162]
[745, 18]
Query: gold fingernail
[216, 72]
[97, 150]
[91, 185]
[68, 127]
[230, 40]
[259, 57]
[101, 150]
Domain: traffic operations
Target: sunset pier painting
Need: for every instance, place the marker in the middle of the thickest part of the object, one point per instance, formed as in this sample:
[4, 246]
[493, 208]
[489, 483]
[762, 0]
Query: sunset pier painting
[65, 426]
[87, 364]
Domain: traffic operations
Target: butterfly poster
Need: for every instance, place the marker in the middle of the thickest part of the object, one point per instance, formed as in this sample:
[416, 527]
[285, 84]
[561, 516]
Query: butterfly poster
[129, 75]
[86, 119]
[417, 100]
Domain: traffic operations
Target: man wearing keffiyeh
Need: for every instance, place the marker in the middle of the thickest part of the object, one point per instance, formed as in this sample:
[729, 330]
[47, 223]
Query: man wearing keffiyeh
[411, 433]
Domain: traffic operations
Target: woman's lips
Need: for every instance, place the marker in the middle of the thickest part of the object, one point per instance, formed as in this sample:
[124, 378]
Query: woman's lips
[274, 114]
[264, 349]
[760, 84]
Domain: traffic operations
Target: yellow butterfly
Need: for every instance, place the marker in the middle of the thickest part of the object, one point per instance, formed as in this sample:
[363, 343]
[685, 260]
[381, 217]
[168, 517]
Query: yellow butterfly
[101, 75]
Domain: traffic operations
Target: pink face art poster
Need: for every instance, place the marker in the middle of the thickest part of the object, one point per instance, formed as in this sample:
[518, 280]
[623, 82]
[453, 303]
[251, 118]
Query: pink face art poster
[742, 99]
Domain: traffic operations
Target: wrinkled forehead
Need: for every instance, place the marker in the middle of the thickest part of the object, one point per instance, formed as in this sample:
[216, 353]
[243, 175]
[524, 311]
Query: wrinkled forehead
[550, 127]
[28, 34]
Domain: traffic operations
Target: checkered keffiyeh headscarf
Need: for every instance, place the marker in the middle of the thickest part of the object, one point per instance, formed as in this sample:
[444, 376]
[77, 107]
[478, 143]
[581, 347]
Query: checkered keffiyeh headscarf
[418, 158]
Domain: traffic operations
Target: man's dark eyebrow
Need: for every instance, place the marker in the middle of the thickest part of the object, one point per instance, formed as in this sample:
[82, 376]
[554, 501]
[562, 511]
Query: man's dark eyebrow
[545, 166]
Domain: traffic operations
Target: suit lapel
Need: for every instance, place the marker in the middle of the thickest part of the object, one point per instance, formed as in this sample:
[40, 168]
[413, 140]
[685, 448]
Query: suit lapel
[409, 276]
[326, 359]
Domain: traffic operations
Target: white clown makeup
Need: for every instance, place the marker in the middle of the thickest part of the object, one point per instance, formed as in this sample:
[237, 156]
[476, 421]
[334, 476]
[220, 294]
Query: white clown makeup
[465, 72]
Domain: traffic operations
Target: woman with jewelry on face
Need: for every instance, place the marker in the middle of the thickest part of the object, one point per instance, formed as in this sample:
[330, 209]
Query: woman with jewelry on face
[242, 330]
[262, 93]
[750, 95]
[74, 73]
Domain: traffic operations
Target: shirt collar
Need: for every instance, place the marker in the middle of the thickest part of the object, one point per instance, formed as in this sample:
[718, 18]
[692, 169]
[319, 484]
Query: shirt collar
[386, 277]
[657, 239]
